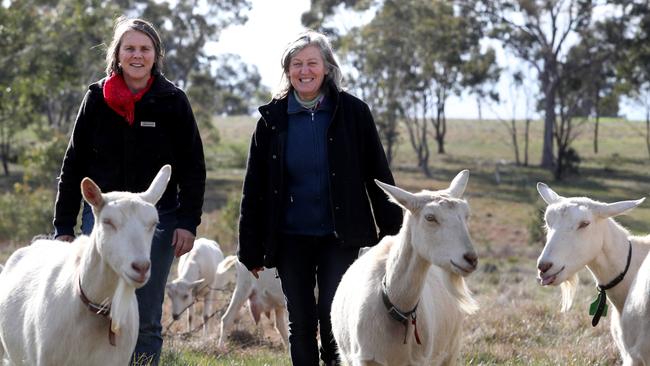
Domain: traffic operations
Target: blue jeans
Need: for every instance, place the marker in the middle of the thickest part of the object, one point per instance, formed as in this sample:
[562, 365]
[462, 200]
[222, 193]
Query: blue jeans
[304, 262]
[150, 296]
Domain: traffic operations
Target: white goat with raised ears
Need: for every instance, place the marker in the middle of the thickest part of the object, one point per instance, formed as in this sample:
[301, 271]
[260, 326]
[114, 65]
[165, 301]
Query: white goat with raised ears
[197, 279]
[582, 233]
[403, 302]
[74, 303]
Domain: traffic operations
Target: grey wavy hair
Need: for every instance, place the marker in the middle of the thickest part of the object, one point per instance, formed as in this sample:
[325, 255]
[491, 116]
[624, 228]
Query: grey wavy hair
[305, 39]
[124, 24]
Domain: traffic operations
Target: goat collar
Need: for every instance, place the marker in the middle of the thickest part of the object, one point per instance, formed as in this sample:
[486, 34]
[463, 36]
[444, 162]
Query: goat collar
[601, 300]
[102, 310]
[398, 315]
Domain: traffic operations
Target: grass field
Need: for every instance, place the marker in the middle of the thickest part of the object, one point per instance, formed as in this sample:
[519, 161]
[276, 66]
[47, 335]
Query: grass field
[519, 322]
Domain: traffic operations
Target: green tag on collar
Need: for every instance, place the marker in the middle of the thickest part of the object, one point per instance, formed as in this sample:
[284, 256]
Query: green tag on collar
[594, 306]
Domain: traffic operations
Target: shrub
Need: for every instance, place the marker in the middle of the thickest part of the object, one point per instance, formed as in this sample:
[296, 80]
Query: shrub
[26, 213]
[42, 161]
[221, 225]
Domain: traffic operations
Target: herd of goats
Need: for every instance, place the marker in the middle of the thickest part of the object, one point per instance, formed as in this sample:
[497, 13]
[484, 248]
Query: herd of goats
[420, 271]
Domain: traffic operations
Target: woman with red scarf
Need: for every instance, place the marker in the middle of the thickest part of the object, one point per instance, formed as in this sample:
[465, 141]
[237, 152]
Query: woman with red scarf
[129, 125]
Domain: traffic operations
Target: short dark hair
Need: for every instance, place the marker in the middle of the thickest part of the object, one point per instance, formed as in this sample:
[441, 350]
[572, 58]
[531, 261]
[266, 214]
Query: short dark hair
[124, 24]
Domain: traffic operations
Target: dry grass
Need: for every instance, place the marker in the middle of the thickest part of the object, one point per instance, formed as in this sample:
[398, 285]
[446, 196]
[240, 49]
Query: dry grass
[519, 322]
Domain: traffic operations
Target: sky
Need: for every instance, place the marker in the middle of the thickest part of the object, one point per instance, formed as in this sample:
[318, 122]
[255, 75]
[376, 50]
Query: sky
[272, 25]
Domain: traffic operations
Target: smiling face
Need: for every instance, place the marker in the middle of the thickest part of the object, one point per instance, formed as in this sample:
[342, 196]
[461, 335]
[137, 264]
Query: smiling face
[307, 71]
[136, 57]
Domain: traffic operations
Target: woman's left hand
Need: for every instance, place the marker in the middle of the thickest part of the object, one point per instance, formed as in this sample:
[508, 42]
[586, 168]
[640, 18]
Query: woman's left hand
[183, 241]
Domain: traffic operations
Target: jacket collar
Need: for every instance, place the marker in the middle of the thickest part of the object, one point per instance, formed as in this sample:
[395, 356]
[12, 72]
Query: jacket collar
[275, 112]
[295, 107]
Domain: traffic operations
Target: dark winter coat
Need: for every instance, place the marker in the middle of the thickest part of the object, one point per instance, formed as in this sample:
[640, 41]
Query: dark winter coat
[355, 158]
[120, 157]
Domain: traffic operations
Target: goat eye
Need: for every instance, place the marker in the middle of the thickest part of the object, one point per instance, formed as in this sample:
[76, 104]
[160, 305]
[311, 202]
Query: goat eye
[109, 223]
[583, 224]
[431, 218]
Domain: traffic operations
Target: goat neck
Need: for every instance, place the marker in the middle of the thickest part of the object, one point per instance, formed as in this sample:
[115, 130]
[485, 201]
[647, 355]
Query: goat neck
[610, 262]
[97, 279]
[406, 272]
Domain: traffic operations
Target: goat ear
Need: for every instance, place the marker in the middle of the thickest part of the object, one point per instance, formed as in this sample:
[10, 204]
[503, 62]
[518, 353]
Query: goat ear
[158, 185]
[614, 209]
[91, 193]
[458, 184]
[399, 196]
[548, 195]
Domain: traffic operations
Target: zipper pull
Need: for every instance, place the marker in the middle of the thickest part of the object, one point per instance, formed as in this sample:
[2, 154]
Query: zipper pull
[291, 199]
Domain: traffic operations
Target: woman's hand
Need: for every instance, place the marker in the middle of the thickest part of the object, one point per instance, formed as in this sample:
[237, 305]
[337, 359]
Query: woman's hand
[183, 241]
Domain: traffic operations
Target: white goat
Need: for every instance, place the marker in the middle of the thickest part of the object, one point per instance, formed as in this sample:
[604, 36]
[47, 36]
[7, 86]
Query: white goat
[74, 303]
[263, 294]
[582, 233]
[414, 275]
[197, 279]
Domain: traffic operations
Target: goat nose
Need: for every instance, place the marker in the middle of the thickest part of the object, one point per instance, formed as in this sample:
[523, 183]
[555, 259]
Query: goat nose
[471, 258]
[141, 267]
[544, 266]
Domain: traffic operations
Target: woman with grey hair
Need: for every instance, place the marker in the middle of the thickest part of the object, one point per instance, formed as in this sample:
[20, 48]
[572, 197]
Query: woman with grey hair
[130, 124]
[309, 199]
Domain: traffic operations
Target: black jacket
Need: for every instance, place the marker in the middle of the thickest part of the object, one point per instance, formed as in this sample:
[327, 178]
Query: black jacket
[355, 156]
[119, 157]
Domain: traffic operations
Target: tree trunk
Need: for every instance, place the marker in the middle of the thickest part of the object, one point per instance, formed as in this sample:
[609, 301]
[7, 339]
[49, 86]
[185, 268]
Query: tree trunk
[548, 87]
[526, 140]
[597, 98]
[596, 133]
[5, 158]
[647, 129]
[515, 143]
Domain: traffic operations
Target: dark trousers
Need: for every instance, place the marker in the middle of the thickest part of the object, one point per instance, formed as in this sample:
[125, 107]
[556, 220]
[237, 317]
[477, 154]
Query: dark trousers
[303, 263]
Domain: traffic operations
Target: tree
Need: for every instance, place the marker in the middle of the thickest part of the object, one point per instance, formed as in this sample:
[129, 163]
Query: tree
[410, 58]
[635, 67]
[517, 86]
[380, 53]
[599, 53]
[480, 75]
[540, 32]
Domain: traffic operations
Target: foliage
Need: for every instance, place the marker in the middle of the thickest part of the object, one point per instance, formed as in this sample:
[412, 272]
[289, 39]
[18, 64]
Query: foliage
[410, 58]
[523, 27]
[42, 160]
[26, 212]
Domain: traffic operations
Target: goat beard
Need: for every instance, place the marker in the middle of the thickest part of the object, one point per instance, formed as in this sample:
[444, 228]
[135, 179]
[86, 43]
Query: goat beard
[123, 298]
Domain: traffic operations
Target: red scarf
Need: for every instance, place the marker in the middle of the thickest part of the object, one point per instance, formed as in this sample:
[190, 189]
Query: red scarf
[119, 97]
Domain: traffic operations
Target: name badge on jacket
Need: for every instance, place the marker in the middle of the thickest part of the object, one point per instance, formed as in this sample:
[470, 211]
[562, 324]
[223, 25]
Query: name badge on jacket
[147, 124]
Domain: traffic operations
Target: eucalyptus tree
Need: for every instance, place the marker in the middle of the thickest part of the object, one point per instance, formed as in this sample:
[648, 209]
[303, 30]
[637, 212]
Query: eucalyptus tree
[414, 54]
[635, 69]
[598, 55]
[480, 76]
[381, 54]
[539, 32]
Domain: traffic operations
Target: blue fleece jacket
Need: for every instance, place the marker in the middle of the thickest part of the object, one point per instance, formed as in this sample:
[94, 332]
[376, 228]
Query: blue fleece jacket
[307, 202]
